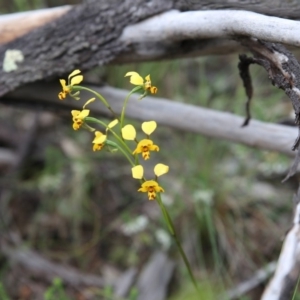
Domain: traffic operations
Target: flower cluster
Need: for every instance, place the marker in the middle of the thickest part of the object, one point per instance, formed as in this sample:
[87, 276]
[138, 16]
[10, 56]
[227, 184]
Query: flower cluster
[127, 133]
[144, 146]
[150, 186]
[81, 118]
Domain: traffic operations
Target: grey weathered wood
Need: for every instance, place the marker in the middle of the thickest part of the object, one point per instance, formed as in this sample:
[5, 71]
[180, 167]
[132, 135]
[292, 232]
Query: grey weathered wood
[191, 118]
[89, 35]
[176, 34]
[124, 283]
[39, 266]
[258, 278]
[284, 282]
[10, 23]
[155, 277]
[86, 36]
[285, 9]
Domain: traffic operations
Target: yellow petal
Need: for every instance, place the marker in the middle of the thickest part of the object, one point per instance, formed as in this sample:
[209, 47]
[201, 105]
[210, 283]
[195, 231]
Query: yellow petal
[147, 84]
[143, 189]
[112, 124]
[84, 113]
[128, 132]
[75, 113]
[149, 127]
[87, 102]
[153, 89]
[135, 78]
[159, 189]
[150, 183]
[153, 148]
[97, 147]
[137, 172]
[75, 72]
[98, 134]
[63, 84]
[62, 95]
[161, 169]
[100, 139]
[132, 73]
[76, 80]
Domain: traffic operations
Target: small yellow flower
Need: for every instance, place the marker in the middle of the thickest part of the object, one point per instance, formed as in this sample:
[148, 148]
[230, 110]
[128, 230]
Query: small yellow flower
[99, 141]
[100, 138]
[148, 86]
[78, 117]
[73, 79]
[151, 187]
[137, 79]
[144, 147]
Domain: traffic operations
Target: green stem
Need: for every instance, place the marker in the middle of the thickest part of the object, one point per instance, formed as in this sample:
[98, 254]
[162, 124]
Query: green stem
[111, 143]
[125, 104]
[94, 120]
[171, 227]
[212, 236]
[165, 213]
[99, 96]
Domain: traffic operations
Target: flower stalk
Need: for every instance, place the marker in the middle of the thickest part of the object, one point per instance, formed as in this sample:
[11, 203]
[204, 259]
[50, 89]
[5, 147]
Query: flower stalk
[127, 133]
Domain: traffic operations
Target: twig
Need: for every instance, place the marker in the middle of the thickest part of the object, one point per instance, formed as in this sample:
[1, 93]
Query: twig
[41, 267]
[284, 281]
[175, 26]
[7, 182]
[176, 34]
[259, 277]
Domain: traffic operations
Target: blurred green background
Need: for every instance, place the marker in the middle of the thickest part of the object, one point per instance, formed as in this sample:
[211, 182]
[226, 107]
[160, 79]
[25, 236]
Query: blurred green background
[227, 201]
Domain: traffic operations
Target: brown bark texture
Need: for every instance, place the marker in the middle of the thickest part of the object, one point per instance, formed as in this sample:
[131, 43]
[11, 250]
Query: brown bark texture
[88, 35]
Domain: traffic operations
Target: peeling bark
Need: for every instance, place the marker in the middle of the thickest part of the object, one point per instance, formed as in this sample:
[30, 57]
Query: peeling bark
[89, 35]
[85, 37]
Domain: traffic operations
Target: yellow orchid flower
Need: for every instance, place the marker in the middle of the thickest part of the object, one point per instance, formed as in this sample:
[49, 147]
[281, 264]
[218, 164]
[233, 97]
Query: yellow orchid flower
[100, 138]
[73, 79]
[78, 117]
[151, 187]
[137, 79]
[144, 147]
[99, 141]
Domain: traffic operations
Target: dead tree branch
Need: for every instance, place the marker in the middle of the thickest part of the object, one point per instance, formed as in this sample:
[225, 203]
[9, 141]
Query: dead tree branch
[10, 24]
[41, 267]
[284, 281]
[258, 278]
[220, 125]
[97, 33]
